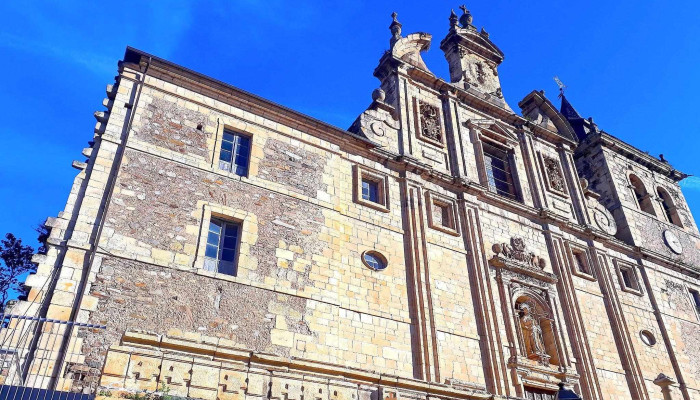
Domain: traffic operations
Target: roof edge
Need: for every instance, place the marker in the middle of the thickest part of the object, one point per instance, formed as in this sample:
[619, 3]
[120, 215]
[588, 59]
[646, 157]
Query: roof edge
[134, 55]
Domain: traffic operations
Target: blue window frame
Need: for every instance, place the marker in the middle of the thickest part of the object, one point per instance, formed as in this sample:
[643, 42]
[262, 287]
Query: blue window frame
[374, 260]
[370, 190]
[222, 246]
[235, 153]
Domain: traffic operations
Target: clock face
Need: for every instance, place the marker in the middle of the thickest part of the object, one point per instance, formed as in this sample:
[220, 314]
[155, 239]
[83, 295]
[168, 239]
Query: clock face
[672, 241]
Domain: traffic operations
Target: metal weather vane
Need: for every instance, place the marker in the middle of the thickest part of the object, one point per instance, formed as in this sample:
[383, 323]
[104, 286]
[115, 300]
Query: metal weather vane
[561, 86]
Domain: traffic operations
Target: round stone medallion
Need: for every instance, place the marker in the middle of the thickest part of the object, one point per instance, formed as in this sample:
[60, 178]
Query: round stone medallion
[604, 221]
[672, 241]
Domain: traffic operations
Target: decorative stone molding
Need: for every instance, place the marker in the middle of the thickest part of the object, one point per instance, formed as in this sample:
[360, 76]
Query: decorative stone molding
[515, 257]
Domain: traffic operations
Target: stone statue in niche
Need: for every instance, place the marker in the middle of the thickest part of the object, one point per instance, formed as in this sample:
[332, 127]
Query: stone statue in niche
[430, 121]
[554, 175]
[532, 335]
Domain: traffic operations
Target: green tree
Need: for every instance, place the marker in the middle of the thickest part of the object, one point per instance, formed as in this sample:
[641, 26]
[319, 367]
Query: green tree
[16, 261]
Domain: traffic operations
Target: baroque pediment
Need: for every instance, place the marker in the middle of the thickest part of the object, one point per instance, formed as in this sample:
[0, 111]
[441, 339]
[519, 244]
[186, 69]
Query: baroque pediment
[494, 129]
[537, 109]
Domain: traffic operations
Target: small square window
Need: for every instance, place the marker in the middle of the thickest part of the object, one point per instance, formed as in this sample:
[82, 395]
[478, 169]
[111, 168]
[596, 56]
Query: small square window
[222, 247]
[371, 188]
[235, 153]
[628, 279]
[441, 213]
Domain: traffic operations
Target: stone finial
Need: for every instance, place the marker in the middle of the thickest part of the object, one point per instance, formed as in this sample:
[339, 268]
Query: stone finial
[466, 18]
[484, 33]
[395, 28]
[453, 19]
[378, 94]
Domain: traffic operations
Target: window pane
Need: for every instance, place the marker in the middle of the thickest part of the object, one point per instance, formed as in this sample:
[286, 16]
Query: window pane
[227, 267]
[374, 262]
[498, 175]
[241, 152]
[215, 226]
[212, 251]
[370, 190]
[222, 241]
[228, 255]
[445, 216]
[229, 242]
[627, 278]
[210, 264]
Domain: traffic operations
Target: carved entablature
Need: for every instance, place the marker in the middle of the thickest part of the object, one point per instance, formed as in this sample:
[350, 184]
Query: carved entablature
[515, 257]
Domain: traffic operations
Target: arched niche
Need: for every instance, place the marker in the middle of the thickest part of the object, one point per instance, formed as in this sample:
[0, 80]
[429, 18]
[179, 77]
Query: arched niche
[535, 324]
[641, 195]
[670, 210]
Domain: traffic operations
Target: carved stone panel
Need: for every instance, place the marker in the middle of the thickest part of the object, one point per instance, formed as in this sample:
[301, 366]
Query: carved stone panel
[554, 175]
[429, 118]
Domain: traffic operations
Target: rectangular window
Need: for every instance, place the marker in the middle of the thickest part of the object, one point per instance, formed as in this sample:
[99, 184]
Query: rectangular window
[222, 245]
[498, 171]
[235, 153]
[629, 278]
[370, 190]
[581, 263]
[696, 300]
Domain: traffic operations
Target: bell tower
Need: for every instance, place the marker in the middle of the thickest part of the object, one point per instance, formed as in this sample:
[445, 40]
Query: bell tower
[473, 59]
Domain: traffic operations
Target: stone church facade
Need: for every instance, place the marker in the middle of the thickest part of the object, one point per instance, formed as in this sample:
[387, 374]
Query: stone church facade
[220, 246]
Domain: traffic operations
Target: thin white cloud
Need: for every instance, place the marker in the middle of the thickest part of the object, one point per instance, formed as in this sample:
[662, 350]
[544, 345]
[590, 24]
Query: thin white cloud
[691, 183]
[99, 64]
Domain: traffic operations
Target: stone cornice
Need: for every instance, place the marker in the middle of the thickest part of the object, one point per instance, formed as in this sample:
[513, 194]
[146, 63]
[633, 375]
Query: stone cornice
[611, 142]
[213, 88]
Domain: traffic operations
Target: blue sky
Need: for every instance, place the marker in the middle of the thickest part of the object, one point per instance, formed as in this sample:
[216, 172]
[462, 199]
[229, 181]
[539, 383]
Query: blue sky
[633, 66]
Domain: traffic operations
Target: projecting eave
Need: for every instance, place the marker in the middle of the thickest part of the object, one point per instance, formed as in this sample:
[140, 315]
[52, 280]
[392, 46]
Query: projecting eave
[626, 150]
[221, 91]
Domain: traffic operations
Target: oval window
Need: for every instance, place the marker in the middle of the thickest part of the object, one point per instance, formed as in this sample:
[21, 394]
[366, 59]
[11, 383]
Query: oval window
[374, 260]
[648, 338]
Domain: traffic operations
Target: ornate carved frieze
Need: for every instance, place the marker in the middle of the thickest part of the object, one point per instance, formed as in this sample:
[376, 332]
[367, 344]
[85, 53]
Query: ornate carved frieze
[555, 177]
[430, 127]
[515, 257]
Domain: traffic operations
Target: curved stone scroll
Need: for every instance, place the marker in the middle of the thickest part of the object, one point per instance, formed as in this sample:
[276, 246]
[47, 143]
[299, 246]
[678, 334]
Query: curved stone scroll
[408, 49]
